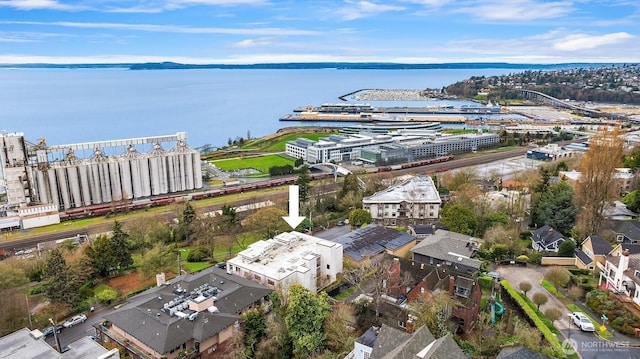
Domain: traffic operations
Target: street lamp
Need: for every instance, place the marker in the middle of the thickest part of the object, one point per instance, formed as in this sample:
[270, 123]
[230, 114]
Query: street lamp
[55, 335]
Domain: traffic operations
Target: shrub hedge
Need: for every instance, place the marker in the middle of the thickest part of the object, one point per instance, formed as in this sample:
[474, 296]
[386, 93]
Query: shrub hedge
[534, 319]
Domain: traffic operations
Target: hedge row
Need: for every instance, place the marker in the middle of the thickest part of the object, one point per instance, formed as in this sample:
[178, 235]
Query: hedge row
[533, 318]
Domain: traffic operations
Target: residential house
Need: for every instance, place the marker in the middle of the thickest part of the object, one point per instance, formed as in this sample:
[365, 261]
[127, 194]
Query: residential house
[414, 201]
[421, 231]
[288, 258]
[27, 343]
[194, 315]
[621, 275]
[464, 289]
[547, 239]
[486, 185]
[452, 249]
[618, 211]
[624, 178]
[626, 231]
[592, 253]
[373, 240]
[389, 343]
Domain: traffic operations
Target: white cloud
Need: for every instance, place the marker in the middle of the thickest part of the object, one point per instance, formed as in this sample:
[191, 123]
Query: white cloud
[168, 28]
[579, 42]
[250, 43]
[179, 4]
[40, 5]
[361, 9]
[517, 10]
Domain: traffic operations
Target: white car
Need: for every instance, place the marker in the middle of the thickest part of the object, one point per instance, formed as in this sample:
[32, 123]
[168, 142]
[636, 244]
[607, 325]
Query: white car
[74, 320]
[582, 321]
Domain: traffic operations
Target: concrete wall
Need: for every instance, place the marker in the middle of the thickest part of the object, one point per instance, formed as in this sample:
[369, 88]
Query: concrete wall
[558, 261]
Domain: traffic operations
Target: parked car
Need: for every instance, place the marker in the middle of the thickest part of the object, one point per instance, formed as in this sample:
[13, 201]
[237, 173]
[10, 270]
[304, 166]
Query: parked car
[582, 321]
[494, 275]
[77, 319]
[49, 330]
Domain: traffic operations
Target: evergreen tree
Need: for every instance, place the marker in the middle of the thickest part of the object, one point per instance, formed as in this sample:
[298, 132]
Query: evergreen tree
[303, 183]
[60, 285]
[100, 253]
[120, 249]
[305, 318]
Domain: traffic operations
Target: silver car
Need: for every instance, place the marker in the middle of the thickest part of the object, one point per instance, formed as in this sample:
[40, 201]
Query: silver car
[74, 320]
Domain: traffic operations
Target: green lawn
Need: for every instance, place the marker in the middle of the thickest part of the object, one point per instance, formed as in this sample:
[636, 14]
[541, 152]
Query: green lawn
[261, 163]
[278, 144]
[548, 286]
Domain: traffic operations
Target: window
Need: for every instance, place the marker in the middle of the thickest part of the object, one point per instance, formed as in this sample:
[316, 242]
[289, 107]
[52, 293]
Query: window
[257, 277]
[328, 266]
[402, 324]
[270, 282]
[421, 290]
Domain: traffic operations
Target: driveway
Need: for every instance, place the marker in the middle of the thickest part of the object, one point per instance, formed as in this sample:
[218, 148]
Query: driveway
[534, 275]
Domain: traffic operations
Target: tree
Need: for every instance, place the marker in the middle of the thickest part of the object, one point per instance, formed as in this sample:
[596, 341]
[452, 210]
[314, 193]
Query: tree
[566, 248]
[60, 286]
[359, 217]
[255, 327]
[553, 314]
[575, 293]
[100, 253]
[338, 330]
[555, 207]
[157, 259]
[303, 182]
[306, 314]
[351, 193]
[632, 200]
[267, 221]
[539, 299]
[558, 276]
[119, 248]
[525, 286]
[433, 310]
[596, 186]
[459, 218]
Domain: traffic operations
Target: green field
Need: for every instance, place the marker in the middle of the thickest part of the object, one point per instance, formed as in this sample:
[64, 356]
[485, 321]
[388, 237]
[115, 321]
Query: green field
[261, 163]
[278, 144]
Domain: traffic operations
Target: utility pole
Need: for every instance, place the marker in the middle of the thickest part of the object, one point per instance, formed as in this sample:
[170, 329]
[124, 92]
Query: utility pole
[55, 335]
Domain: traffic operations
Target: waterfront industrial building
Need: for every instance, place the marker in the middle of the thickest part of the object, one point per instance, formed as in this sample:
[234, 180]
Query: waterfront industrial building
[39, 174]
[414, 201]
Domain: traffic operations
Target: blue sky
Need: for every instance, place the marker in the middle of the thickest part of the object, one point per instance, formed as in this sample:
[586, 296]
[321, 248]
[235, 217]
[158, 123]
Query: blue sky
[259, 31]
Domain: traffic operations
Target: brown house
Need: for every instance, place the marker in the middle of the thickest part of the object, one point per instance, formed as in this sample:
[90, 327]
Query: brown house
[191, 316]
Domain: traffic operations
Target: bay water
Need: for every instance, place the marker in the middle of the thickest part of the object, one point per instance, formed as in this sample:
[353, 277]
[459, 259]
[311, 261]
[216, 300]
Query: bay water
[66, 106]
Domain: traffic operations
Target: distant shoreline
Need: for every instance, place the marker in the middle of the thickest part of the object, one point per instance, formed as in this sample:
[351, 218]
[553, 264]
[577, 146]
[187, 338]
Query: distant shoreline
[313, 65]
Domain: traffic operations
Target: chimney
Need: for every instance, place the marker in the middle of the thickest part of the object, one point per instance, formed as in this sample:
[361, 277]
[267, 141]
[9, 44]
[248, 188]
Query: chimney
[550, 231]
[452, 280]
[410, 327]
[624, 261]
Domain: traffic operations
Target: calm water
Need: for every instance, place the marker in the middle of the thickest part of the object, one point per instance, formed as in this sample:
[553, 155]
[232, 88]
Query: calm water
[70, 106]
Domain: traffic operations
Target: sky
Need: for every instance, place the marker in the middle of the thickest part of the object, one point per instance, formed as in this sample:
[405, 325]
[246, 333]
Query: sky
[275, 31]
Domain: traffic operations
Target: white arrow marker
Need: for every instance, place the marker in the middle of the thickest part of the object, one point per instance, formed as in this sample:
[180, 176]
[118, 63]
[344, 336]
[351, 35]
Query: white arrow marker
[294, 218]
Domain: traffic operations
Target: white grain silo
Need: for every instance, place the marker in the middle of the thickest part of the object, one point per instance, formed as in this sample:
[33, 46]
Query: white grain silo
[43, 188]
[143, 162]
[171, 171]
[85, 184]
[116, 184]
[105, 182]
[197, 170]
[155, 168]
[125, 177]
[70, 164]
[53, 186]
[61, 173]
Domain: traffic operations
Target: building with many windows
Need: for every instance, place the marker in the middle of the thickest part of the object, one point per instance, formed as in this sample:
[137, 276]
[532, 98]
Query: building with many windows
[414, 201]
[289, 258]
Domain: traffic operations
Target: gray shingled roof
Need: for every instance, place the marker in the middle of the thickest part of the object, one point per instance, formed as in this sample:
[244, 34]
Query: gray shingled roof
[630, 229]
[600, 245]
[448, 246]
[396, 344]
[519, 353]
[583, 257]
[371, 240]
[144, 319]
[546, 235]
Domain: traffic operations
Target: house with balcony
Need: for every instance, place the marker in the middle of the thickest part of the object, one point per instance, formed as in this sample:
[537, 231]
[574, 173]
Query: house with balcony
[288, 258]
[621, 275]
[191, 316]
[414, 201]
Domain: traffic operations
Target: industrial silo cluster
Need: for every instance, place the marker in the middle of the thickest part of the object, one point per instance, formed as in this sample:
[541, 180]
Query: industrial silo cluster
[74, 182]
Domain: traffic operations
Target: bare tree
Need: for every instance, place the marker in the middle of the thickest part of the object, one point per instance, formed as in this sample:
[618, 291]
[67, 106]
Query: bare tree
[553, 314]
[525, 286]
[597, 183]
[558, 276]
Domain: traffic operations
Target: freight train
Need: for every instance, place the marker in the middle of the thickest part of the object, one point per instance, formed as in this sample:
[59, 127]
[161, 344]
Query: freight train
[124, 206]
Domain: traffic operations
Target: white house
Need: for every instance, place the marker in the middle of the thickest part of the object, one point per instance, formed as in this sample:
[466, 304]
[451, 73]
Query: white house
[621, 275]
[288, 258]
[414, 201]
